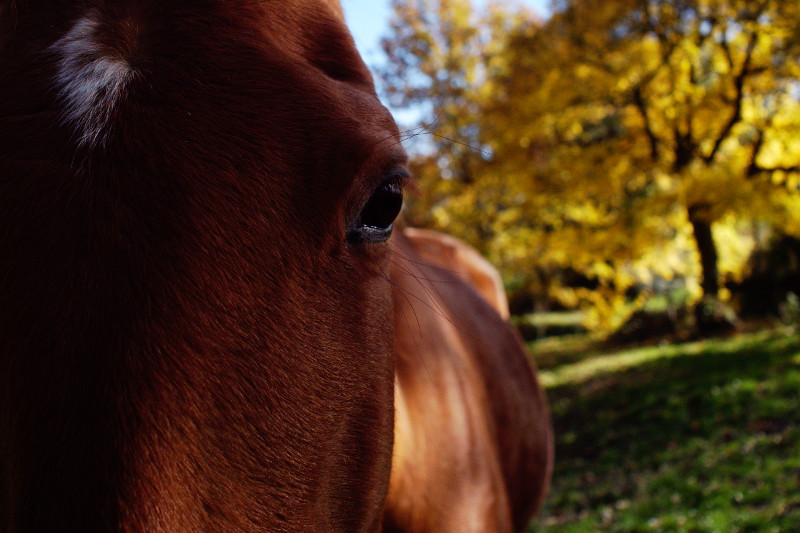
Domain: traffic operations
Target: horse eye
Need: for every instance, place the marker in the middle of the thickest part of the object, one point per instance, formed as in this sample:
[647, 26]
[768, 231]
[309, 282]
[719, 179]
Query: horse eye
[375, 222]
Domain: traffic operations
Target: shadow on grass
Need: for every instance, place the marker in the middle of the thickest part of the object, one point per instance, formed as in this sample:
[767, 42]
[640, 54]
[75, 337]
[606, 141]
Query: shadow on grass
[704, 438]
[554, 352]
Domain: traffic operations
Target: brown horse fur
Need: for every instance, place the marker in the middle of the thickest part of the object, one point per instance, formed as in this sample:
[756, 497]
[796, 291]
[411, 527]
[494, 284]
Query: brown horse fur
[441, 251]
[473, 445]
[188, 341]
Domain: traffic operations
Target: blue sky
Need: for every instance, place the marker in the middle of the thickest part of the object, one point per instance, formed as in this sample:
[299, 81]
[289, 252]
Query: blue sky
[368, 21]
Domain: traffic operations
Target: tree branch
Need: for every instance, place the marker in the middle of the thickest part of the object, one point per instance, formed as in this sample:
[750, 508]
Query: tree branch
[684, 149]
[641, 106]
[753, 169]
[738, 82]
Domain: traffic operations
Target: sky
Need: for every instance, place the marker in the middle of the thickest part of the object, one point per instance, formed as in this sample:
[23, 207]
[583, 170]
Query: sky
[368, 21]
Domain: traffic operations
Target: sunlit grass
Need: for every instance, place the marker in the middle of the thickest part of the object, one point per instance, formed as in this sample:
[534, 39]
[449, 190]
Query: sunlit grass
[599, 363]
[573, 319]
[611, 363]
[703, 436]
[550, 323]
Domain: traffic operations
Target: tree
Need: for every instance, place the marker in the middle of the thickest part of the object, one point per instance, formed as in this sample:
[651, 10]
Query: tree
[438, 60]
[625, 126]
[433, 60]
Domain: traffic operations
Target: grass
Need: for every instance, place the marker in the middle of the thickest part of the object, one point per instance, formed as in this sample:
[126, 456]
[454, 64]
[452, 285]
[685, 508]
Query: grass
[701, 436]
[566, 319]
[560, 323]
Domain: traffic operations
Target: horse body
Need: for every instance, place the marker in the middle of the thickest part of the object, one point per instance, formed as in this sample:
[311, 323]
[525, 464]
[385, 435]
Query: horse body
[473, 447]
[442, 251]
[190, 337]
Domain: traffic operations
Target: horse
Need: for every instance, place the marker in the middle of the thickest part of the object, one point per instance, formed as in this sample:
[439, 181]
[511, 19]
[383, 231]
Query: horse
[473, 445]
[448, 253]
[201, 315]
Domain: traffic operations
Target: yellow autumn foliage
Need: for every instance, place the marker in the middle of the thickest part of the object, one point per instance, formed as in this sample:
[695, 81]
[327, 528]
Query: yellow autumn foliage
[619, 149]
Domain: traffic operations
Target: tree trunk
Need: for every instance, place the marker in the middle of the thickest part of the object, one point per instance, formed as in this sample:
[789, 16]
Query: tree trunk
[704, 239]
[711, 316]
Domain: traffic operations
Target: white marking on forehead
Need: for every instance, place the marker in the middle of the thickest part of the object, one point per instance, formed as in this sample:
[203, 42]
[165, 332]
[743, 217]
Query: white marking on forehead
[89, 82]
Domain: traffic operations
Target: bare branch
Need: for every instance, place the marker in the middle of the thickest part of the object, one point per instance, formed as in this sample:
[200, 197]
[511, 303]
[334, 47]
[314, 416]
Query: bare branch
[727, 49]
[756, 170]
[684, 149]
[641, 106]
[738, 83]
[753, 169]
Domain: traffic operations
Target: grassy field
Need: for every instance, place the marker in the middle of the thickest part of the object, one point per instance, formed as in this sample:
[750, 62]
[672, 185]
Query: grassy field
[702, 436]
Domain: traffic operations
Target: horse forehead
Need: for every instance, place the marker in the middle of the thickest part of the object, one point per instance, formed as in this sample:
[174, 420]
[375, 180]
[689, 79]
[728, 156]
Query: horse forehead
[303, 41]
[314, 33]
[322, 55]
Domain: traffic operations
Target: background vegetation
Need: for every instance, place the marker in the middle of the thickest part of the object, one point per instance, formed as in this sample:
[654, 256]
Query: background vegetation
[701, 436]
[632, 168]
[618, 151]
